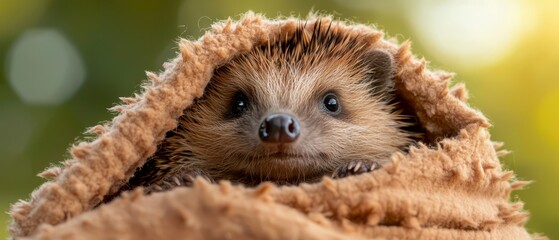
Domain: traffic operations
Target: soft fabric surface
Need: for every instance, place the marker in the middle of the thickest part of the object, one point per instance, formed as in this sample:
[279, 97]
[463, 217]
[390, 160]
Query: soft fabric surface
[451, 186]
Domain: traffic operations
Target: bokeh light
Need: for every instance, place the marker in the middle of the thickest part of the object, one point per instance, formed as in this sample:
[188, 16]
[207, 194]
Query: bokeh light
[472, 33]
[44, 68]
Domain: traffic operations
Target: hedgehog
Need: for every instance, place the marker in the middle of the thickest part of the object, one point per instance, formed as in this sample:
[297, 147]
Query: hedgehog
[312, 102]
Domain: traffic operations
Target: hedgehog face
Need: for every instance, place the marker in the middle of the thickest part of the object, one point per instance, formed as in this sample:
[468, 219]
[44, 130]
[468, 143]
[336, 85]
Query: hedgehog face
[281, 119]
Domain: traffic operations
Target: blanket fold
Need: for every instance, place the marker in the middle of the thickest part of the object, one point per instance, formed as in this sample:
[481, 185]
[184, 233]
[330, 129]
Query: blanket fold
[451, 185]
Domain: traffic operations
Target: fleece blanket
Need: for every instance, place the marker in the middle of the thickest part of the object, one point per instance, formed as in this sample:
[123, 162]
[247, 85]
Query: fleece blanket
[451, 185]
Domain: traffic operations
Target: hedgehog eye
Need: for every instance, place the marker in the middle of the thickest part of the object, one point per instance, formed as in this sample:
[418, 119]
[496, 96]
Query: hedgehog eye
[331, 104]
[239, 104]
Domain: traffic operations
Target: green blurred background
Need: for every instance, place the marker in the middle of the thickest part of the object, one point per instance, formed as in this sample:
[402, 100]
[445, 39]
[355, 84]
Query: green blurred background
[63, 63]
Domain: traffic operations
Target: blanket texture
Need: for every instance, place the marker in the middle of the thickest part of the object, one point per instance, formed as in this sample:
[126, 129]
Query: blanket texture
[450, 186]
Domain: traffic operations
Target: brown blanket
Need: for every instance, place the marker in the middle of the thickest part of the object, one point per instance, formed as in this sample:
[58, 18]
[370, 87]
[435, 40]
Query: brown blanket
[450, 186]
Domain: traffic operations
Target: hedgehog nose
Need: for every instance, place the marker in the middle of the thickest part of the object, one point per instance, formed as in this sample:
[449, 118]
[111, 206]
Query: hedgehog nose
[279, 128]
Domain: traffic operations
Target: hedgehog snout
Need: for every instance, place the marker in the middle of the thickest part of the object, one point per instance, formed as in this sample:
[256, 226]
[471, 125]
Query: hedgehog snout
[279, 128]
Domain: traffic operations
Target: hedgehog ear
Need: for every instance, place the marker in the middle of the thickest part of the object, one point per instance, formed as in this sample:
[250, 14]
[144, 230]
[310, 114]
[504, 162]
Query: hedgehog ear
[381, 70]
